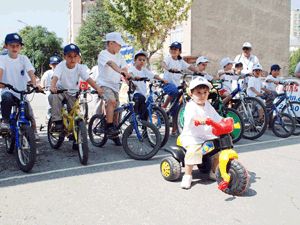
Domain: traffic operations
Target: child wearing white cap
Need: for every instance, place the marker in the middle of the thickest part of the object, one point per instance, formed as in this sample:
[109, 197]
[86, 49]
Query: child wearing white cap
[110, 66]
[201, 64]
[193, 137]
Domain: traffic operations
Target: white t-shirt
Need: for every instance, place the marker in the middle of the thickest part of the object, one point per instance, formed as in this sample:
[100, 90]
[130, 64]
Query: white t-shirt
[69, 78]
[15, 72]
[107, 76]
[270, 85]
[228, 80]
[171, 63]
[248, 63]
[205, 75]
[256, 83]
[94, 72]
[46, 78]
[192, 135]
[141, 86]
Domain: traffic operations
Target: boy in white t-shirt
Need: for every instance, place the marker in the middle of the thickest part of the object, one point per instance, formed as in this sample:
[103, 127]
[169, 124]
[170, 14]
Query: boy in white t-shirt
[46, 79]
[66, 76]
[272, 79]
[138, 70]
[193, 137]
[15, 69]
[111, 65]
[202, 63]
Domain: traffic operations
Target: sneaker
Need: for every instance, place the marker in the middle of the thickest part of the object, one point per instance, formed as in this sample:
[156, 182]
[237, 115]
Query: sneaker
[4, 127]
[117, 141]
[112, 131]
[212, 175]
[186, 182]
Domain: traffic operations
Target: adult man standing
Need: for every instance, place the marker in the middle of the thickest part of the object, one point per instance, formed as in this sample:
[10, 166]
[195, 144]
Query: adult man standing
[297, 70]
[247, 58]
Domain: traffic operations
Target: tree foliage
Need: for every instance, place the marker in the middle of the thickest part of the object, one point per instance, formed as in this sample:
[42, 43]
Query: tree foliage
[294, 60]
[148, 21]
[39, 46]
[92, 33]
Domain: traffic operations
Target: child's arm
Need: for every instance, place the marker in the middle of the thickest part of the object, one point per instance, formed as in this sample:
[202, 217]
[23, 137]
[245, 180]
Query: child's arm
[32, 77]
[95, 86]
[255, 91]
[1, 75]
[53, 87]
[159, 78]
[115, 67]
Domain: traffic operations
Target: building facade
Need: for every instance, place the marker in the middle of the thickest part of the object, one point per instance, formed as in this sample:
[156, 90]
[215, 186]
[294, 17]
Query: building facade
[295, 23]
[218, 29]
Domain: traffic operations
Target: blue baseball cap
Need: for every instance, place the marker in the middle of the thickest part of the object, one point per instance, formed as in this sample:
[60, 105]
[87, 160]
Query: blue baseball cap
[13, 38]
[54, 59]
[275, 67]
[71, 48]
[176, 45]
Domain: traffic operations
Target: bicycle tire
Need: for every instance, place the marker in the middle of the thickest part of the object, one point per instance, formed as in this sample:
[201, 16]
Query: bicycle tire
[55, 138]
[26, 143]
[286, 120]
[130, 134]
[294, 111]
[82, 141]
[179, 118]
[237, 133]
[251, 126]
[164, 122]
[96, 129]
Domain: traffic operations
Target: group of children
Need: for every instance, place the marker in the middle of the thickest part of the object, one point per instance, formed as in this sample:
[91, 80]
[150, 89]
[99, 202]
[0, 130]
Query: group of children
[17, 70]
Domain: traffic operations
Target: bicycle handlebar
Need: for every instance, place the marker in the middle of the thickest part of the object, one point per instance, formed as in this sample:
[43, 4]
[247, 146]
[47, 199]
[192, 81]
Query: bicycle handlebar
[225, 126]
[34, 89]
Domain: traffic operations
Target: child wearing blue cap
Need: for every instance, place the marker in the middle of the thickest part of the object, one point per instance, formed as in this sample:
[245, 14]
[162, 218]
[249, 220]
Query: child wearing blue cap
[16, 70]
[66, 76]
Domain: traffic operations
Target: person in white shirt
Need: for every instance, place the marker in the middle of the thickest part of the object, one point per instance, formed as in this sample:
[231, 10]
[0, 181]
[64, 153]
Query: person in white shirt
[46, 79]
[227, 74]
[138, 70]
[66, 76]
[16, 70]
[248, 59]
[202, 63]
[193, 137]
[272, 79]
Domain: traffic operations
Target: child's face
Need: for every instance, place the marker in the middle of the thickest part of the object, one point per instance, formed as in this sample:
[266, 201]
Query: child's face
[13, 49]
[238, 69]
[202, 66]
[114, 47]
[275, 73]
[174, 52]
[257, 73]
[200, 94]
[140, 61]
[228, 67]
[71, 59]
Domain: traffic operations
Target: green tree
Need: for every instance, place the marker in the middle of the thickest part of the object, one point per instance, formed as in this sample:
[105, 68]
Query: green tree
[294, 60]
[92, 33]
[39, 46]
[148, 21]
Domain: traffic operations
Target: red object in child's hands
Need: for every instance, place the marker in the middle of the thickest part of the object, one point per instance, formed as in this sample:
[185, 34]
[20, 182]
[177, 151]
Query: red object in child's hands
[225, 126]
[83, 85]
[197, 123]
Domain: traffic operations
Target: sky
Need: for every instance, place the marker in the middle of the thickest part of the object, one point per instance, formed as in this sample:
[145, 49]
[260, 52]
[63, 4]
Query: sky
[52, 14]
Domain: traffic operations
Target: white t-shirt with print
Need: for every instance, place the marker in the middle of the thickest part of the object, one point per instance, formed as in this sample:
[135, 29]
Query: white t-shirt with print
[69, 78]
[192, 135]
[256, 83]
[270, 85]
[180, 65]
[141, 86]
[46, 78]
[248, 63]
[15, 72]
[107, 76]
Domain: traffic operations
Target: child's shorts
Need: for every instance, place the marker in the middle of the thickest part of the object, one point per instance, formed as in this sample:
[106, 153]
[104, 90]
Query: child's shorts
[194, 153]
[170, 89]
[110, 94]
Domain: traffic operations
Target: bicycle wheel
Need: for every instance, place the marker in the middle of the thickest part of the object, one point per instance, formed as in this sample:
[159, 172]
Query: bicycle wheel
[254, 115]
[82, 141]
[238, 130]
[283, 125]
[96, 130]
[26, 148]
[84, 108]
[55, 138]
[141, 148]
[161, 121]
[293, 109]
[179, 118]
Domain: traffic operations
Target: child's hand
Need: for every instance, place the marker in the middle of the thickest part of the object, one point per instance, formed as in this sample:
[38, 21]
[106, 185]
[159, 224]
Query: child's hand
[276, 82]
[165, 81]
[100, 91]
[53, 90]
[199, 121]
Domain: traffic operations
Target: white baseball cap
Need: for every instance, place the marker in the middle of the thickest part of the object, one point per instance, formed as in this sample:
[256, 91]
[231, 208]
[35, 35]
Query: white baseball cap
[198, 81]
[202, 59]
[257, 67]
[225, 61]
[115, 36]
[247, 45]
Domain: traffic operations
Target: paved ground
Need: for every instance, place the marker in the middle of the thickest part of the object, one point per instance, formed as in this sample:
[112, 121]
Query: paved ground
[113, 189]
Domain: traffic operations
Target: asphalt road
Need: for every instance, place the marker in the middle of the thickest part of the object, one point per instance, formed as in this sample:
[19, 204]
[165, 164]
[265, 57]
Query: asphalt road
[114, 189]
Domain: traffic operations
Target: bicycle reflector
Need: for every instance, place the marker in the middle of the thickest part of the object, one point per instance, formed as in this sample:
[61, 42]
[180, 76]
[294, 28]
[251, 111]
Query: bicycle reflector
[83, 85]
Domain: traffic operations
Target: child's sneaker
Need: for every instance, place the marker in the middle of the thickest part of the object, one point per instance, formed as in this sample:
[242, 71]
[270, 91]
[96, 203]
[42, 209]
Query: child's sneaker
[186, 182]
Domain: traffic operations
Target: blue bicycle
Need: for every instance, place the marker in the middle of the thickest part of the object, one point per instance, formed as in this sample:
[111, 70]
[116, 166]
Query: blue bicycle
[20, 139]
[140, 140]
